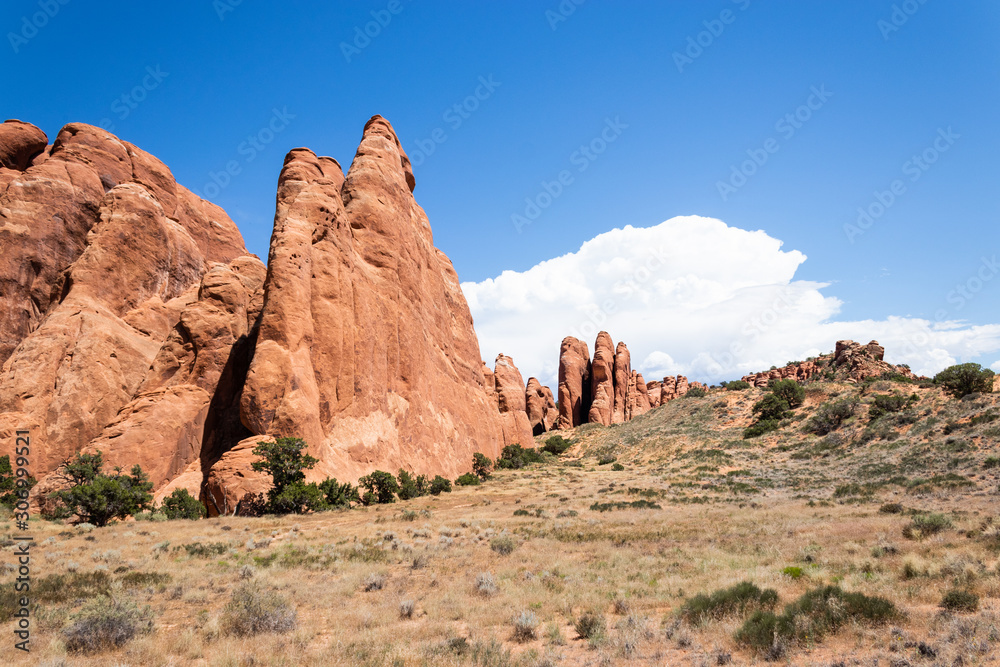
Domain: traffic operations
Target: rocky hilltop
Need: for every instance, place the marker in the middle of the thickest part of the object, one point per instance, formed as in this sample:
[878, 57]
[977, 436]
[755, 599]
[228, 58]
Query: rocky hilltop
[850, 362]
[133, 320]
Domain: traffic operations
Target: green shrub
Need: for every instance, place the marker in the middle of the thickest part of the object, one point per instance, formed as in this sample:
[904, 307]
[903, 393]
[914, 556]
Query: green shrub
[440, 485]
[991, 462]
[736, 385]
[410, 486]
[923, 525]
[771, 406]
[623, 505]
[817, 613]
[965, 379]
[97, 498]
[9, 483]
[790, 391]
[590, 625]
[556, 445]
[297, 498]
[337, 494]
[182, 505]
[695, 392]
[284, 461]
[522, 512]
[605, 459]
[482, 466]
[514, 457]
[468, 479]
[760, 428]
[381, 487]
[959, 600]
[618, 467]
[891, 508]
[886, 403]
[253, 611]
[793, 572]
[733, 601]
[831, 415]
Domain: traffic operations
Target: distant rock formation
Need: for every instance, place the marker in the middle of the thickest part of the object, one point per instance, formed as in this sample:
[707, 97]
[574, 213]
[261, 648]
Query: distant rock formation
[602, 381]
[574, 383]
[511, 402]
[541, 407]
[616, 392]
[850, 362]
[624, 384]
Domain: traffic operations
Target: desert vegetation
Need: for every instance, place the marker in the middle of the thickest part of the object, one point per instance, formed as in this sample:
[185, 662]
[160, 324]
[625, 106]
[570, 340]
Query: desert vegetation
[841, 536]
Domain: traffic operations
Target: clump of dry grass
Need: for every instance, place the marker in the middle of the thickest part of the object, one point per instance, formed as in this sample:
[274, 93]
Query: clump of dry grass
[254, 610]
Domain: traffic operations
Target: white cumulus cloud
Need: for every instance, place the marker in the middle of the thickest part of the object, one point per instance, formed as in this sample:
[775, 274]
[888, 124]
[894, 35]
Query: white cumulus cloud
[696, 297]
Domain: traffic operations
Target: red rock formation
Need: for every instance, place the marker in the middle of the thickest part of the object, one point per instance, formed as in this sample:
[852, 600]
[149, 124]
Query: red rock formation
[653, 389]
[541, 407]
[19, 144]
[622, 376]
[511, 403]
[602, 369]
[106, 250]
[850, 361]
[366, 348]
[164, 425]
[638, 397]
[574, 383]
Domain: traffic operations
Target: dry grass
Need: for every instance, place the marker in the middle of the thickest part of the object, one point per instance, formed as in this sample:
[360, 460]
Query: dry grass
[730, 511]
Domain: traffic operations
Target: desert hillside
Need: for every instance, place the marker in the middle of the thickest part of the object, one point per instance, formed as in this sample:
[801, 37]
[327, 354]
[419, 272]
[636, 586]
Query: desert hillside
[596, 556]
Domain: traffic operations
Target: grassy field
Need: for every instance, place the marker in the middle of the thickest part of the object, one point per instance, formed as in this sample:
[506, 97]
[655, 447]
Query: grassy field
[593, 558]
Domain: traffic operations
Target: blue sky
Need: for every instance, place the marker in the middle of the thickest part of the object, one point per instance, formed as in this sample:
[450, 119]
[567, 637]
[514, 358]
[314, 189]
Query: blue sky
[889, 90]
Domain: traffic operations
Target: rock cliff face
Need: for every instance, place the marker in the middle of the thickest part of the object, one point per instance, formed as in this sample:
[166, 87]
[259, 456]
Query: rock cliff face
[133, 321]
[366, 348]
[102, 252]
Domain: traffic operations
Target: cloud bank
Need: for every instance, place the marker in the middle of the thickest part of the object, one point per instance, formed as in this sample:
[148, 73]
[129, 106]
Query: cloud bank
[696, 297]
